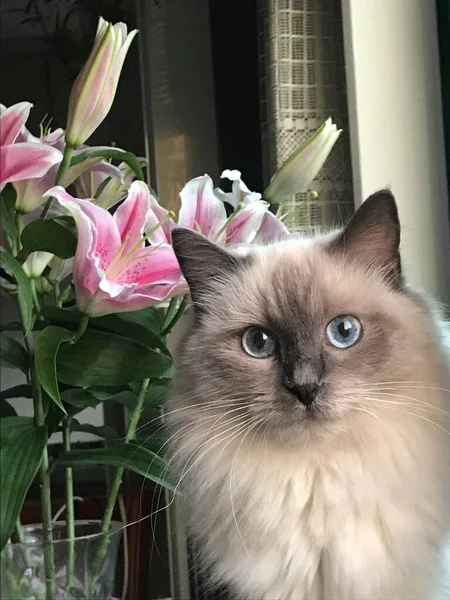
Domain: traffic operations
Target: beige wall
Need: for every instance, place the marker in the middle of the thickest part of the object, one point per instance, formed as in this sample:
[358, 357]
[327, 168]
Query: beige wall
[396, 128]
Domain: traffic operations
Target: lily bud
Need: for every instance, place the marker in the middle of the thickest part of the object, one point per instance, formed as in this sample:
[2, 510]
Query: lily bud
[300, 169]
[95, 87]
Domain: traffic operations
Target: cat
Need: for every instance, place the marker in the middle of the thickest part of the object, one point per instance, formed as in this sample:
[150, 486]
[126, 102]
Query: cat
[309, 416]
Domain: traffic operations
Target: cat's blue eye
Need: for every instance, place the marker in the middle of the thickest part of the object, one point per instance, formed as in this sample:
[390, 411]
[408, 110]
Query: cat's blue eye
[343, 331]
[258, 342]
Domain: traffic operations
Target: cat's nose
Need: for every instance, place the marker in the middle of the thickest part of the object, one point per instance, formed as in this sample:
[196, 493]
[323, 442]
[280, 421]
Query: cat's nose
[305, 393]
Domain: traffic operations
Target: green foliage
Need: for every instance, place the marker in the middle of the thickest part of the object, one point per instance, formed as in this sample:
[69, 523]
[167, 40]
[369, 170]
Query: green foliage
[13, 354]
[132, 456]
[46, 352]
[7, 215]
[24, 292]
[100, 358]
[49, 235]
[111, 153]
[20, 458]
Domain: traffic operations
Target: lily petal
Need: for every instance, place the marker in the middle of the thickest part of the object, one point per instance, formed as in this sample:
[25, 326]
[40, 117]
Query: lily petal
[36, 263]
[243, 228]
[25, 161]
[98, 238]
[153, 265]
[85, 275]
[200, 209]
[12, 120]
[156, 214]
[240, 194]
[271, 229]
[131, 215]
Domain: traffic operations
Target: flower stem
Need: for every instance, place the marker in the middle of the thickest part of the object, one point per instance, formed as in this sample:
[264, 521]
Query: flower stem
[70, 509]
[19, 531]
[35, 296]
[117, 481]
[63, 167]
[46, 500]
[181, 309]
[19, 229]
[81, 328]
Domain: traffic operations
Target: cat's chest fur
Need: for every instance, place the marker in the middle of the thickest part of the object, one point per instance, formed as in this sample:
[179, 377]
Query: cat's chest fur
[299, 526]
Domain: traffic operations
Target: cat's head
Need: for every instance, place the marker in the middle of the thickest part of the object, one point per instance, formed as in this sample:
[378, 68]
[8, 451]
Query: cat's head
[303, 332]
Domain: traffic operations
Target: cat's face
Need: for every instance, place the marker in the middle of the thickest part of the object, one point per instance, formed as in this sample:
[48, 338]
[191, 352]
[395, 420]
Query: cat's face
[302, 333]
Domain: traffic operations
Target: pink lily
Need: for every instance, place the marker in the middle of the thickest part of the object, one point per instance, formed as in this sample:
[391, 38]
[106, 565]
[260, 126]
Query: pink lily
[30, 192]
[95, 87]
[113, 270]
[203, 210]
[255, 222]
[21, 160]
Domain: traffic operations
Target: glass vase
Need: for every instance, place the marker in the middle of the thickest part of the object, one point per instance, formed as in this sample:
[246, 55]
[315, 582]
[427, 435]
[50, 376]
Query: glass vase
[22, 568]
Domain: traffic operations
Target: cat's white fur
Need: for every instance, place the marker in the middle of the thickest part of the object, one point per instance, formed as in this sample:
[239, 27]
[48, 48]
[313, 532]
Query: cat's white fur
[359, 512]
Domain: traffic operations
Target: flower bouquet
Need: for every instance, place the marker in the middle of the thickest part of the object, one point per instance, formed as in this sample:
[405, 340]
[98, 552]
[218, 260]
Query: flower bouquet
[86, 255]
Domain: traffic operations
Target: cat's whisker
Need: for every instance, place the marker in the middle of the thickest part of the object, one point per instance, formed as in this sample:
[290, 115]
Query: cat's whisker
[429, 406]
[238, 426]
[200, 407]
[400, 409]
[233, 466]
[182, 448]
[417, 405]
[369, 412]
[413, 385]
[188, 425]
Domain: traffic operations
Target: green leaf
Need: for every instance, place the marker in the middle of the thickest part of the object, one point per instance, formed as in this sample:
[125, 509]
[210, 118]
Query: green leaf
[81, 398]
[20, 459]
[155, 440]
[150, 318]
[6, 410]
[7, 210]
[116, 324]
[133, 457]
[103, 431]
[13, 354]
[47, 235]
[11, 326]
[68, 318]
[46, 351]
[25, 295]
[17, 391]
[112, 153]
[111, 323]
[17, 326]
[157, 393]
[68, 223]
[100, 358]
[12, 425]
[126, 398]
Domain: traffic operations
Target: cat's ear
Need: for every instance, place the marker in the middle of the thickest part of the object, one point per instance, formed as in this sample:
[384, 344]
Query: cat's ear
[373, 236]
[202, 262]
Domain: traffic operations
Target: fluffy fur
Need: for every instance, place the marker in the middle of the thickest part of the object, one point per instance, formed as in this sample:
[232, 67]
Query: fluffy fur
[348, 501]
